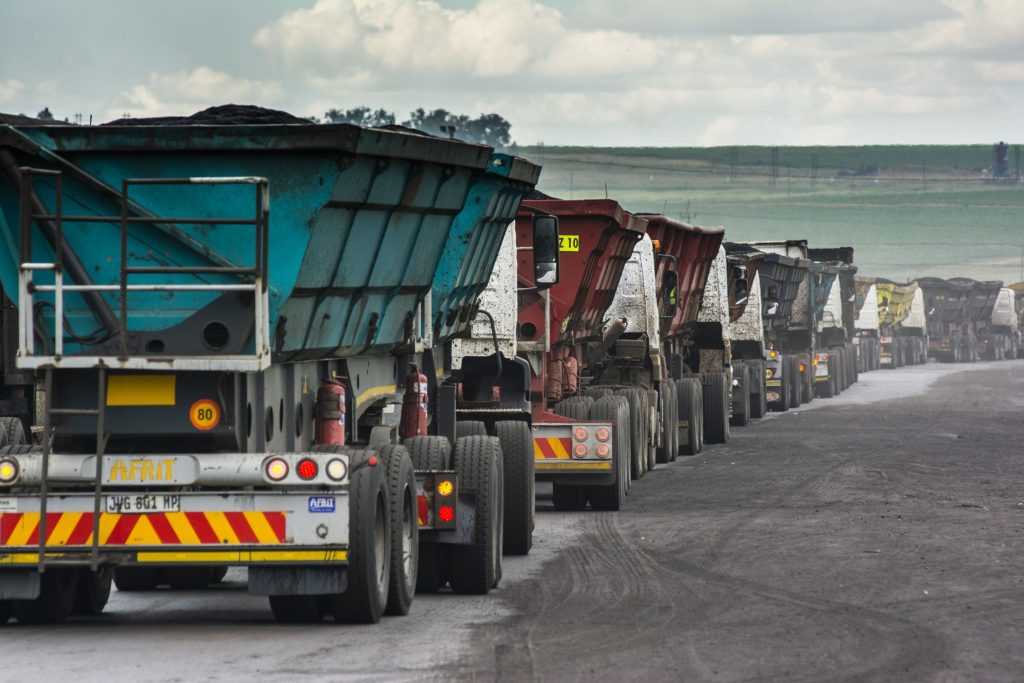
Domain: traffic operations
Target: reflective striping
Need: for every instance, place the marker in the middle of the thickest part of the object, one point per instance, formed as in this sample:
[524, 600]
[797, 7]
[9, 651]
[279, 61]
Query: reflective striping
[572, 466]
[197, 557]
[153, 529]
[551, 448]
[140, 390]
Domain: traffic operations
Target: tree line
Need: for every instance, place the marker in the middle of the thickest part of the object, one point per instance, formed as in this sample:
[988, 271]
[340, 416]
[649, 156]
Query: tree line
[487, 129]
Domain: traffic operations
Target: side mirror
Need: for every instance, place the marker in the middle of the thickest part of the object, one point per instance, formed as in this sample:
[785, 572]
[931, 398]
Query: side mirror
[669, 293]
[771, 309]
[545, 251]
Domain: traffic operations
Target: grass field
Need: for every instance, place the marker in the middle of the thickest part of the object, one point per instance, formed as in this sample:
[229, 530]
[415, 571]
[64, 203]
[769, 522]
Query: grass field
[908, 211]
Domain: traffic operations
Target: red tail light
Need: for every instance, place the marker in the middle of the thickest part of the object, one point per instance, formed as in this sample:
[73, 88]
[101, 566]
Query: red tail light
[446, 513]
[307, 469]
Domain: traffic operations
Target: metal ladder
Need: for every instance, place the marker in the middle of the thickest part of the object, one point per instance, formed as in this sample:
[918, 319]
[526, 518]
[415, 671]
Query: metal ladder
[100, 413]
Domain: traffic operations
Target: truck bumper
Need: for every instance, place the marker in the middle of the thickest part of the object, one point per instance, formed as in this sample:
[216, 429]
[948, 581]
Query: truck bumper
[568, 453]
[289, 528]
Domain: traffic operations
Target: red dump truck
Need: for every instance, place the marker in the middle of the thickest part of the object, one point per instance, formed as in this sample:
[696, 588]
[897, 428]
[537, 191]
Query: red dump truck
[581, 444]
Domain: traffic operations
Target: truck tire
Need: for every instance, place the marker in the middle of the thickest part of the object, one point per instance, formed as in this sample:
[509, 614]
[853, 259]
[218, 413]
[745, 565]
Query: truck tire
[673, 417]
[575, 408]
[567, 498]
[132, 579]
[56, 602]
[13, 430]
[405, 536]
[741, 396]
[716, 407]
[516, 439]
[93, 590]
[476, 568]
[759, 399]
[369, 567]
[796, 386]
[806, 380]
[470, 428]
[429, 453]
[669, 413]
[691, 410]
[614, 409]
[637, 401]
[652, 423]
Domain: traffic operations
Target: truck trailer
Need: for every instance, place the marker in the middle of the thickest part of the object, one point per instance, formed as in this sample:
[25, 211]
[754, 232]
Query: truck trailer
[835, 359]
[999, 333]
[866, 325]
[217, 389]
[746, 328]
[903, 327]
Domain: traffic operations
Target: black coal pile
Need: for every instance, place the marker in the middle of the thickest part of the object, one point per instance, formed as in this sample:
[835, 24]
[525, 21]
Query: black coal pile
[223, 115]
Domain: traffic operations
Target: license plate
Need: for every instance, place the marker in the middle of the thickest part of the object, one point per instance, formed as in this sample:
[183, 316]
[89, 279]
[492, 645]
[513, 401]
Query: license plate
[141, 504]
[774, 396]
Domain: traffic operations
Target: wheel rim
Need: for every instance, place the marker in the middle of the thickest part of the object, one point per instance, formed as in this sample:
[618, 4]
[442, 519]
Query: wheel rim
[380, 544]
[408, 536]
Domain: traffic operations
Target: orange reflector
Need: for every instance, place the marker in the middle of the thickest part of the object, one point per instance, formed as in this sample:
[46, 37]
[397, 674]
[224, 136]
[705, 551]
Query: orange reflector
[445, 488]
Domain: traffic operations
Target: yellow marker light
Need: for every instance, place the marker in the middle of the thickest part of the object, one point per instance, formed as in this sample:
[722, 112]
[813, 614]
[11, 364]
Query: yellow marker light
[445, 488]
[276, 469]
[773, 354]
[8, 471]
[803, 367]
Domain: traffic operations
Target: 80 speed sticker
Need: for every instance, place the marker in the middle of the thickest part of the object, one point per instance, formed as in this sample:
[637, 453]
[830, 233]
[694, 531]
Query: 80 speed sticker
[204, 414]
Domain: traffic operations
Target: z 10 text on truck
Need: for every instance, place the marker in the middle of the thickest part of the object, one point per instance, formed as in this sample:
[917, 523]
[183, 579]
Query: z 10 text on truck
[218, 389]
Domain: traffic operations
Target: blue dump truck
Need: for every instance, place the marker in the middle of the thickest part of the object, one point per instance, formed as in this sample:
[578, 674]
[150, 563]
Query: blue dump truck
[228, 340]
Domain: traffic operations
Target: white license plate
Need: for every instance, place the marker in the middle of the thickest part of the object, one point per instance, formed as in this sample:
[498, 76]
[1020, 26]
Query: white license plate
[143, 503]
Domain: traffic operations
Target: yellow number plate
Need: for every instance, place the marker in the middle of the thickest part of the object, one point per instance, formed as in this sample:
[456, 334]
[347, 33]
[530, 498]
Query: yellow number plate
[568, 243]
[140, 390]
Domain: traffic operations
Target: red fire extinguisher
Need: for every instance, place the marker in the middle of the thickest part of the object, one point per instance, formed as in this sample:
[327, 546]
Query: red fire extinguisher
[330, 413]
[414, 405]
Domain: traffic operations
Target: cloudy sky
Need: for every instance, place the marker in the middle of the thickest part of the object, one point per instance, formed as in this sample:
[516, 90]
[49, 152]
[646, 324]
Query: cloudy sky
[609, 72]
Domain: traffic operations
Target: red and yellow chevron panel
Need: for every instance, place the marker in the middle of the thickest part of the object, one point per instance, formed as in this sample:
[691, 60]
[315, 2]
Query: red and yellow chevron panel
[552, 448]
[157, 528]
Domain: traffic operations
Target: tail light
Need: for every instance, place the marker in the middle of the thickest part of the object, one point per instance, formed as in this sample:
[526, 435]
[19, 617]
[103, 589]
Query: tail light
[603, 434]
[580, 433]
[580, 450]
[446, 514]
[276, 469]
[336, 469]
[603, 451]
[307, 469]
[803, 367]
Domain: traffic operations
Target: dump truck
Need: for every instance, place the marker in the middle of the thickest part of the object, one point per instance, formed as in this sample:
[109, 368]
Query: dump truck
[866, 325]
[835, 359]
[952, 331]
[582, 439]
[651, 331]
[746, 329]
[488, 387]
[789, 310]
[1018, 296]
[213, 388]
[999, 332]
[902, 324]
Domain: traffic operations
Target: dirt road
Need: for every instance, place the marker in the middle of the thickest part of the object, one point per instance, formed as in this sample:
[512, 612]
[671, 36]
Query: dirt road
[860, 540]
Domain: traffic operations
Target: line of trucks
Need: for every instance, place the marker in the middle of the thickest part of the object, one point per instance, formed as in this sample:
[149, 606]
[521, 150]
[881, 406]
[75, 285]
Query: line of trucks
[343, 357]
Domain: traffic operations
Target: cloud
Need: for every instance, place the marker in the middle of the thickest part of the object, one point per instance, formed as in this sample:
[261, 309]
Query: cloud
[758, 17]
[10, 89]
[184, 92]
[396, 40]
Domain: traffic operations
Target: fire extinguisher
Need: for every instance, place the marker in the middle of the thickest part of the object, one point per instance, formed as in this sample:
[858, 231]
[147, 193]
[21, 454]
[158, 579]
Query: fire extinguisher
[330, 413]
[414, 405]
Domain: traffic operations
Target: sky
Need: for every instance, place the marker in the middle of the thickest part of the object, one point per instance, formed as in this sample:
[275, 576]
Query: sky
[588, 72]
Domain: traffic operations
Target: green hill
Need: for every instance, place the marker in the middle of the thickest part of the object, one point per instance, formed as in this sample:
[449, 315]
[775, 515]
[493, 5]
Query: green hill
[909, 211]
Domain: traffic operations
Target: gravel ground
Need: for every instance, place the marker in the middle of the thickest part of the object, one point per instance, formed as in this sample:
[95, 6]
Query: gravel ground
[876, 536]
